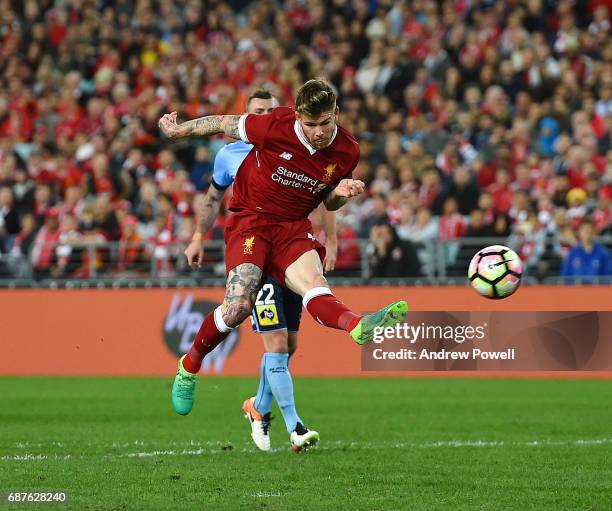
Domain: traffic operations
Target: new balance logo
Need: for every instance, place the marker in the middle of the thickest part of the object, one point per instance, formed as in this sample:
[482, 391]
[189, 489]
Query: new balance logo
[286, 156]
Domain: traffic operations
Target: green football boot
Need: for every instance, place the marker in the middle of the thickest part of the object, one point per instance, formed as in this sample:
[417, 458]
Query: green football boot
[390, 315]
[183, 389]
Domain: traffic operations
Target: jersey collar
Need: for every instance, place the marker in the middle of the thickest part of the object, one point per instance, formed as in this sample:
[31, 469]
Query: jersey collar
[302, 138]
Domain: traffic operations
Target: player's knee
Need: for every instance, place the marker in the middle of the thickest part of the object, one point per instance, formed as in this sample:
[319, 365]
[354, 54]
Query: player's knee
[319, 281]
[237, 311]
[276, 342]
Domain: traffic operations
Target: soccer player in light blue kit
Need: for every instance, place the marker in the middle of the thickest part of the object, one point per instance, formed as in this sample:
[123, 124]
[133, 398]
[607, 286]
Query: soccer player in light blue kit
[277, 311]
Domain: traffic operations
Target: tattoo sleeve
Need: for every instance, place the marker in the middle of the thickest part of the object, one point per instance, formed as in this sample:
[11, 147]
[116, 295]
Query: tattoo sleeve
[209, 125]
[210, 209]
[334, 202]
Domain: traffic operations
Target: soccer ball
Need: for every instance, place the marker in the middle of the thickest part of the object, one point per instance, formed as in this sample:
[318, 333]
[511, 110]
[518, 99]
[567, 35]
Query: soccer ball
[495, 272]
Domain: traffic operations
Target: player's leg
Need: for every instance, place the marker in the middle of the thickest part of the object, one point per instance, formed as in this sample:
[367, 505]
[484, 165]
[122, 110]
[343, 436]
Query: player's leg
[241, 289]
[269, 318]
[278, 345]
[301, 438]
[278, 378]
[305, 277]
[275, 345]
[291, 343]
[258, 409]
[277, 309]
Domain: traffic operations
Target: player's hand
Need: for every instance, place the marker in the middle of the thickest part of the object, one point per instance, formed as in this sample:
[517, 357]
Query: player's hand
[331, 254]
[168, 125]
[195, 253]
[349, 188]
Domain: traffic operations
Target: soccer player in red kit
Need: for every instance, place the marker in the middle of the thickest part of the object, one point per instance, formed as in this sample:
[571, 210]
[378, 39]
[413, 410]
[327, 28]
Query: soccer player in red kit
[300, 158]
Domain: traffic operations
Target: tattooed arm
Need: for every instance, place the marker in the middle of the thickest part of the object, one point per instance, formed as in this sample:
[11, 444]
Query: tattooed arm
[200, 127]
[210, 209]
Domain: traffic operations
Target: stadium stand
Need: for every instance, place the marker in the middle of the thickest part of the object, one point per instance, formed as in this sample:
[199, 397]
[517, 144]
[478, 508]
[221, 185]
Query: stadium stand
[478, 120]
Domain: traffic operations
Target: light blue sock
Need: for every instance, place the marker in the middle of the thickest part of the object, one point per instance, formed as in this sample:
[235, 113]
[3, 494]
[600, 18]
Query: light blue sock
[279, 380]
[263, 399]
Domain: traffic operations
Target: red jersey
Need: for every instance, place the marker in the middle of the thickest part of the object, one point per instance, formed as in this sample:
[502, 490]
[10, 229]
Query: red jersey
[284, 176]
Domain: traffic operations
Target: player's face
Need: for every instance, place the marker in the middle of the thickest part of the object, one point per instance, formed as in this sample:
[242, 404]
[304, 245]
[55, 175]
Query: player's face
[261, 106]
[319, 130]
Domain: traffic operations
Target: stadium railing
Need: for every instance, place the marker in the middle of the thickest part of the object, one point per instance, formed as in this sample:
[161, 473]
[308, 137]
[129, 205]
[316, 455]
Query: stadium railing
[119, 264]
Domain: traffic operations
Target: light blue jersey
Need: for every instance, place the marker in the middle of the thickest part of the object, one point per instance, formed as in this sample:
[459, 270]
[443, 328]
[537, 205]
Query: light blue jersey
[227, 163]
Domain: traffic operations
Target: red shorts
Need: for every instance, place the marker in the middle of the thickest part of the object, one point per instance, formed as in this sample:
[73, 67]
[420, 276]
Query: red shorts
[272, 246]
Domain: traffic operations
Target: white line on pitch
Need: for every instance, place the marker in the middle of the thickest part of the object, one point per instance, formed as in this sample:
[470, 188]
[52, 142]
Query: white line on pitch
[202, 448]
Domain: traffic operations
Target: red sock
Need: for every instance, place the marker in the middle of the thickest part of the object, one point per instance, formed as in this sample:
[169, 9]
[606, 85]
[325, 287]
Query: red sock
[212, 332]
[328, 310]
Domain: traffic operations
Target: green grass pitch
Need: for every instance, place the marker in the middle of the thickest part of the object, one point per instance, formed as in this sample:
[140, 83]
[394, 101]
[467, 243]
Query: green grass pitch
[460, 444]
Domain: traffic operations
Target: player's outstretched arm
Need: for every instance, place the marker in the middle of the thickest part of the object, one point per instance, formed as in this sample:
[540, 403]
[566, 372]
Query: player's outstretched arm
[200, 127]
[206, 218]
[340, 195]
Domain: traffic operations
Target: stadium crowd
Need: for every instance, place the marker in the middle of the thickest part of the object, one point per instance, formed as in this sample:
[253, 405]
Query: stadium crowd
[475, 118]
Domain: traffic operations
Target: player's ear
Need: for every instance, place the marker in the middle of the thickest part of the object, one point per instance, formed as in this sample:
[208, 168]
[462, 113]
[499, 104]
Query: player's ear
[336, 112]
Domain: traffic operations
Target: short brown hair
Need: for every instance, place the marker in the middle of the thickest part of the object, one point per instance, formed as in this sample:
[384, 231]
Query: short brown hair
[260, 93]
[314, 98]
[587, 221]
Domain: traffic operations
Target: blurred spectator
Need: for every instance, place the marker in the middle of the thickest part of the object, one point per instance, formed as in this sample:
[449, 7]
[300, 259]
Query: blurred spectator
[201, 171]
[389, 256]
[160, 248]
[478, 228]
[528, 241]
[576, 202]
[452, 227]
[588, 258]
[501, 191]
[549, 132]
[564, 240]
[105, 219]
[486, 204]
[9, 220]
[25, 238]
[42, 201]
[349, 251]
[43, 252]
[501, 226]
[69, 252]
[452, 224]
[464, 189]
[431, 191]
[602, 216]
[378, 213]
[423, 232]
[520, 208]
[130, 253]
